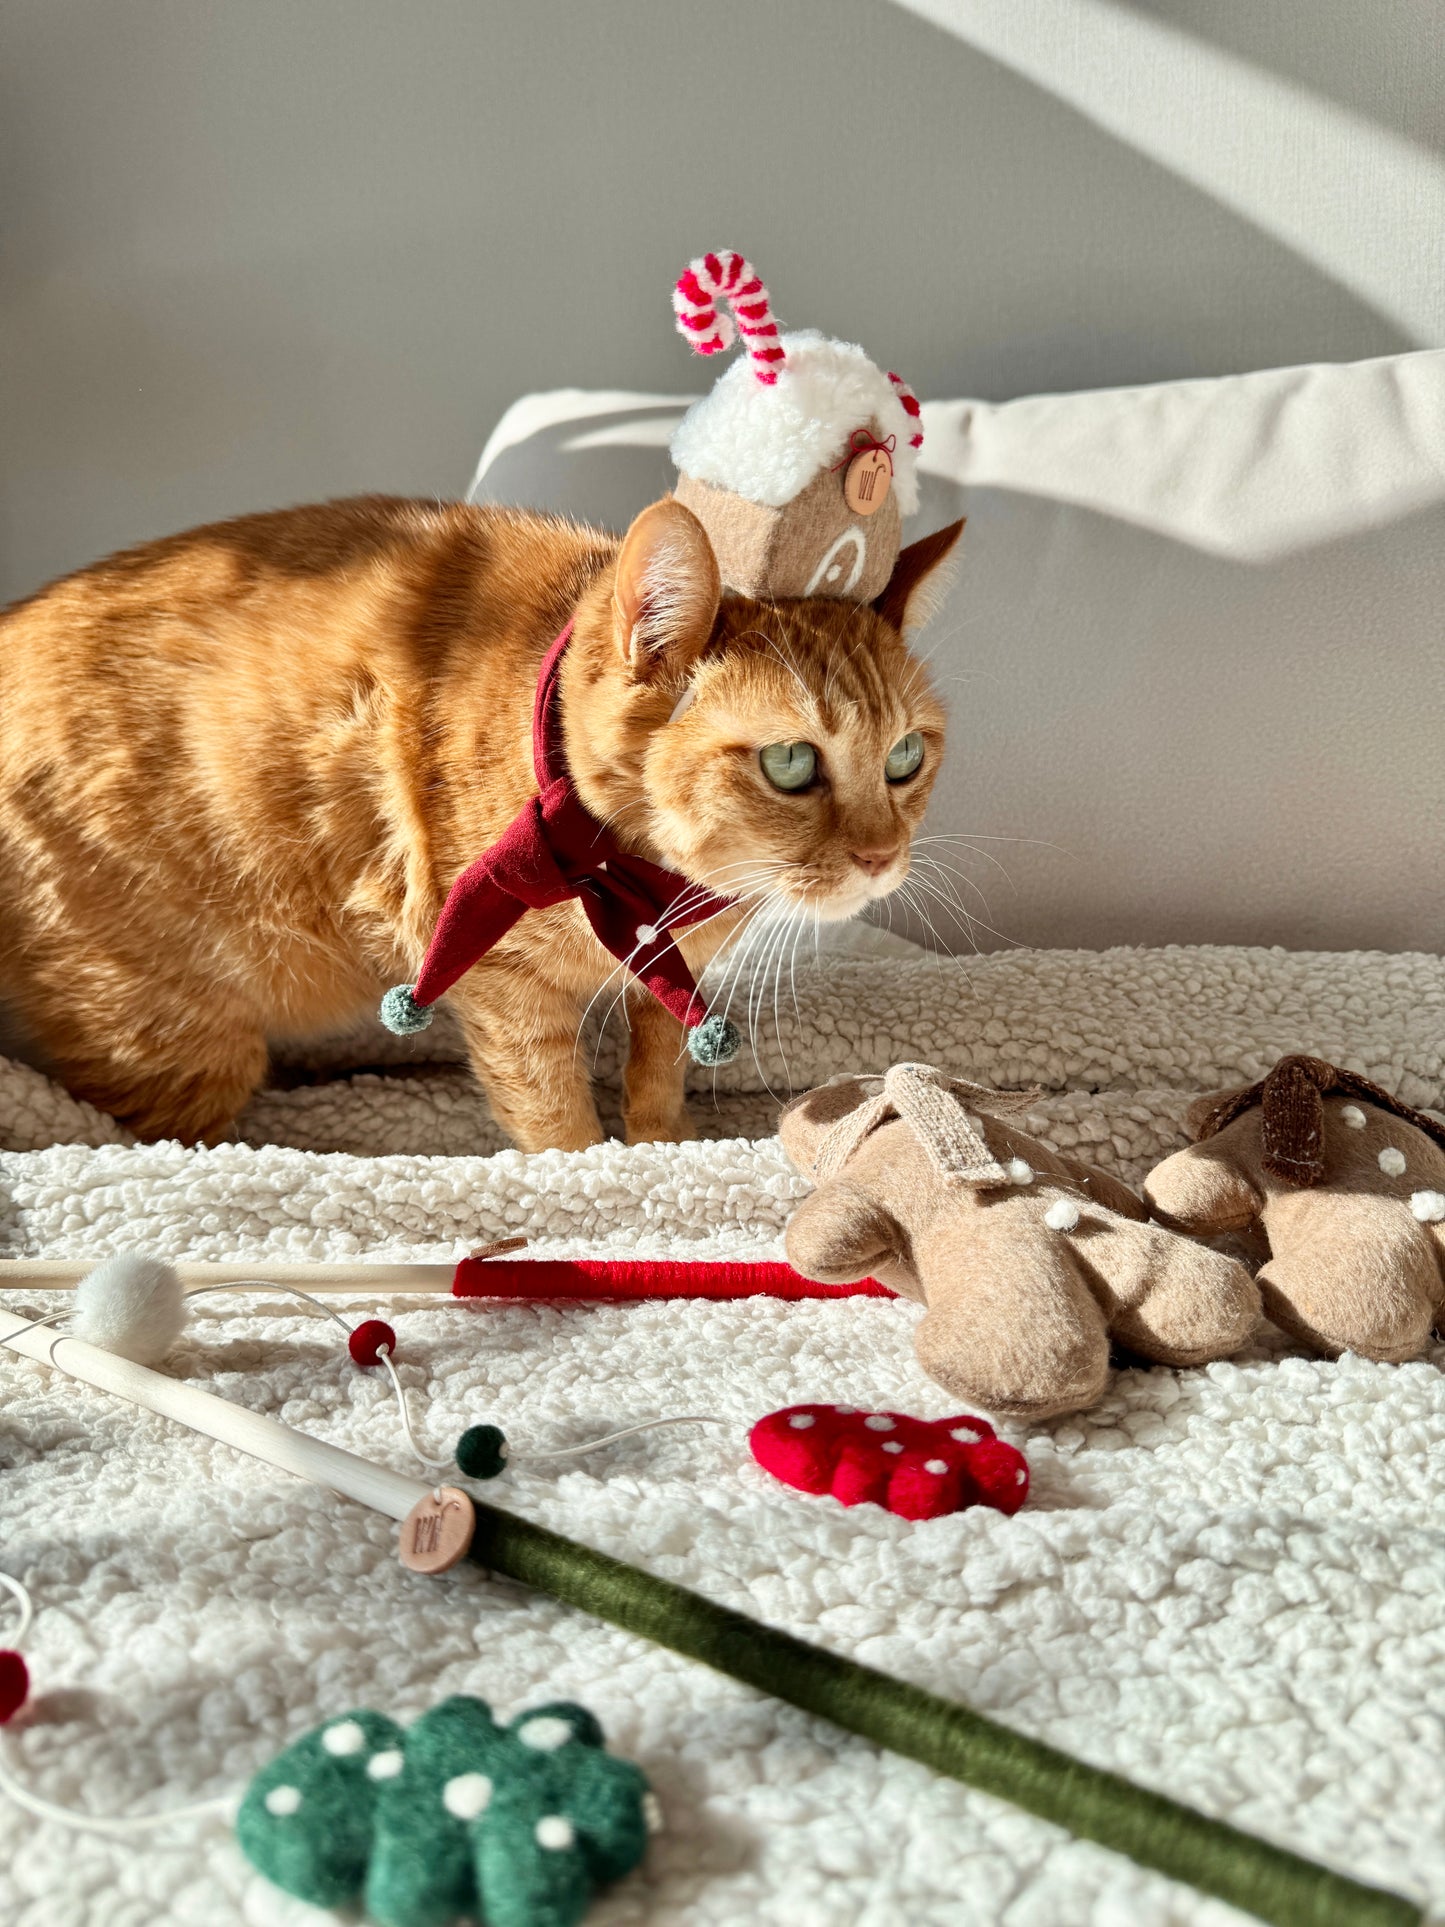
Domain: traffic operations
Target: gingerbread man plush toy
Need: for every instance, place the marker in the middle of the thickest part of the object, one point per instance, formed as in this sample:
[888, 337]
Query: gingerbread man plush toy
[1029, 1262]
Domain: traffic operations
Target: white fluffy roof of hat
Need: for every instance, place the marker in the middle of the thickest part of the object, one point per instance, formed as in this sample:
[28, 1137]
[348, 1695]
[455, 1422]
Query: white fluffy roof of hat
[767, 443]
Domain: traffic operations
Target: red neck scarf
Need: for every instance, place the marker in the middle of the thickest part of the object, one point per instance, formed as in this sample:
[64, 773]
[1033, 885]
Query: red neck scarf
[554, 848]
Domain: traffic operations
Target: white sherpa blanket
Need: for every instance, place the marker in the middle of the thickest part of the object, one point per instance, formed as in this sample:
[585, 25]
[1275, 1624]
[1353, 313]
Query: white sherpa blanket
[1226, 1583]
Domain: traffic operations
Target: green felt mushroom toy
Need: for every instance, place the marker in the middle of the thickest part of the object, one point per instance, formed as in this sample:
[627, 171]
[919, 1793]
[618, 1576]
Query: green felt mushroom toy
[515, 1826]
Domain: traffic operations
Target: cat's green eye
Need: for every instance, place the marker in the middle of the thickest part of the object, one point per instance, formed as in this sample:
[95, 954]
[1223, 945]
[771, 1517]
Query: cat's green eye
[789, 766]
[904, 757]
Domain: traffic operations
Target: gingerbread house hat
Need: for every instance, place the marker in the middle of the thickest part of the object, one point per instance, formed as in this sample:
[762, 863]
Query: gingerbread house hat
[802, 461]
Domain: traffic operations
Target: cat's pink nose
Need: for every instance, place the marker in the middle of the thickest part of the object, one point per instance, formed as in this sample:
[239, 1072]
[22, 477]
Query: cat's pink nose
[874, 862]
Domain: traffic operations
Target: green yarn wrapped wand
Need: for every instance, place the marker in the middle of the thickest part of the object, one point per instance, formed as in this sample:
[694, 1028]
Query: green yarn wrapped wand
[1267, 1881]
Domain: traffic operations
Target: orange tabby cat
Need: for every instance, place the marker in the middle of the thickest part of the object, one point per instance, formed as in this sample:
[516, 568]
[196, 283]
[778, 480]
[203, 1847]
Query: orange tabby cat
[240, 768]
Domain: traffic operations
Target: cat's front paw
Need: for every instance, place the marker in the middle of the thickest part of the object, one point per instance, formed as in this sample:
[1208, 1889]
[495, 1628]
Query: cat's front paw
[674, 1127]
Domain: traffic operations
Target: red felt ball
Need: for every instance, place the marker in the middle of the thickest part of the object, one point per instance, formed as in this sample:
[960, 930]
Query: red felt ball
[14, 1685]
[370, 1339]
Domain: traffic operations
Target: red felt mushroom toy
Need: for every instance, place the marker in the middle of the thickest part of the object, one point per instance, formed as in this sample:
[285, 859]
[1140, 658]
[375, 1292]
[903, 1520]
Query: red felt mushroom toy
[918, 1468]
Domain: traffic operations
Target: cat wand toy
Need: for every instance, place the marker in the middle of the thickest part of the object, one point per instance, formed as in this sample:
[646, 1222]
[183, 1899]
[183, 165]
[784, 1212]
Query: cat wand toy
[1268, 1881]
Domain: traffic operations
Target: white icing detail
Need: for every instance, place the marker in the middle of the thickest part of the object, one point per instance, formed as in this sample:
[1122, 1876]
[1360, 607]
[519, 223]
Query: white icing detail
[556, 1831]
[1429, 1206]
[283, 1801]
[936, 1466]
[800, 1421]
[343, 1738]
[467, 1795]
[545, 1734]
[833, 561]
[767, 442]
[1062, 1215]
[1020, 1171]
[1392, 1162]
[385, 1766]
[1353, 1116]
[879, 1422]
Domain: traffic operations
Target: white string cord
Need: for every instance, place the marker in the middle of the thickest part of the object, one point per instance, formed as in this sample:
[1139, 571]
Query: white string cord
[27, 1611]
[117, 1826]
[647, 1425]
[397, 1388]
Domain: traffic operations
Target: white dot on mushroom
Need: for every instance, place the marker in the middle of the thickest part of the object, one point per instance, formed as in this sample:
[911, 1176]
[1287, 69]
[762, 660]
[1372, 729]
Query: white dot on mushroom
[800, 1421]
[343, 1738]
[467, 1795]
[878, 1422]
[936, 1466]
[1392, 1162]
[1429, 1206]
[384, 1766]
[1353, 1117]
[545, 1734]
[555, 1831]
[283, 1801]
[1020, 1171]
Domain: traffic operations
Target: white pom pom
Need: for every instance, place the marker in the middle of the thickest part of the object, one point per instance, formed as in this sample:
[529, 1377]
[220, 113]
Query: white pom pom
[1429, 1206]
[1062, 1215]
[130, 1305]
[1020, 1171]
[1392, 1161]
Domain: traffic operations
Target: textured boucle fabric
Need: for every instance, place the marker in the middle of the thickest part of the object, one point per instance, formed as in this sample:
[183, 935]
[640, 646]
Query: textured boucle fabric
[1228, 1583]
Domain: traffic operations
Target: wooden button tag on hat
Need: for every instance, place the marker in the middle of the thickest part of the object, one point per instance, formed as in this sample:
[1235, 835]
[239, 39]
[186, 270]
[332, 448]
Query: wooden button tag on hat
[868, 480]
[437, 1532]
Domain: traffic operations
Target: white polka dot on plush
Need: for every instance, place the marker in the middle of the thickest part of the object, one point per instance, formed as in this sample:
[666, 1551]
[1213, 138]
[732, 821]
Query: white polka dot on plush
[846, 1411]
[1062, 1215]
[1392, 1162]
[283, 1801]
[343, 1738]
[1353, 1116]
[800, 1421]
[556, 1831]
[878, 1422]
[936, 1466]
[1020, 1171]
[646, 933]
[967, 1434]
[1429, 1206]
[892, 1445]
[385, 1766]
[467, 1795]
[546, 1733]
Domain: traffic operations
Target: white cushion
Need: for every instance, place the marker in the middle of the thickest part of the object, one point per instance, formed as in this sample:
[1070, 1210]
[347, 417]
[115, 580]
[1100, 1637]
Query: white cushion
[1193, 655]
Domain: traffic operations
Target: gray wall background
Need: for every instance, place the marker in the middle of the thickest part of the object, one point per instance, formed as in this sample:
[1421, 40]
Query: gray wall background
[274, 250]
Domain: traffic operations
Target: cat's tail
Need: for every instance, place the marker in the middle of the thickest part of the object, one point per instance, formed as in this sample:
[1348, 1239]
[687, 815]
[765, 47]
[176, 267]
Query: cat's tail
[709, 285]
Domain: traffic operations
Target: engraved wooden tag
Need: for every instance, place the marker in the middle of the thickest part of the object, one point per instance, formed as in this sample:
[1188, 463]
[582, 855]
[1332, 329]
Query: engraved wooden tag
[437, 1531]
[867, 481]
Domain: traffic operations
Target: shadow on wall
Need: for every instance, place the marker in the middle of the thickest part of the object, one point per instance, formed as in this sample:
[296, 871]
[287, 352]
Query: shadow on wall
[286, 253]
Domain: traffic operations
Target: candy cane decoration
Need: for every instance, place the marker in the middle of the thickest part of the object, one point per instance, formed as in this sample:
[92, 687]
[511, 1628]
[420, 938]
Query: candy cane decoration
[697, 301]
[910, 408]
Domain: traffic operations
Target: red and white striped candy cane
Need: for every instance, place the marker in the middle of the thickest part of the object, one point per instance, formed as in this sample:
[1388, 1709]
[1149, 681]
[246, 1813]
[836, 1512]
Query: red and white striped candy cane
[698, 301]
[910, 409]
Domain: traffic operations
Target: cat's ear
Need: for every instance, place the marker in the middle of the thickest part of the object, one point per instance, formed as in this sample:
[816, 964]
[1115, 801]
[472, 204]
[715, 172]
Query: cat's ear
[666, 596]
[920, 580]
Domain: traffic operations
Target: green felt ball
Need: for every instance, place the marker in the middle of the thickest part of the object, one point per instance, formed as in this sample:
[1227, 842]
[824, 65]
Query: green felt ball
[713, 1041]
[401, 1013]
[481, 1452]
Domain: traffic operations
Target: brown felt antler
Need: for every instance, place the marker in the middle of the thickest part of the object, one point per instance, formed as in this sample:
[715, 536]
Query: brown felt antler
[1292, 1099]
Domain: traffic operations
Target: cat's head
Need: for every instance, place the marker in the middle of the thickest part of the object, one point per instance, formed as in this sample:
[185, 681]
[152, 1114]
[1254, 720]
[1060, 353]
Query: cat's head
[760, 746]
